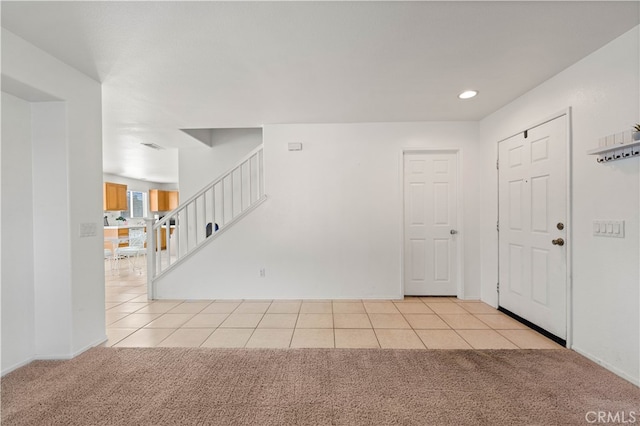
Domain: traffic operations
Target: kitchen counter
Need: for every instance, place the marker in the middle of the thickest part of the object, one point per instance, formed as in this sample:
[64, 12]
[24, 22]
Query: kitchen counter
[124, 226]
[133, 226]
[114, 232]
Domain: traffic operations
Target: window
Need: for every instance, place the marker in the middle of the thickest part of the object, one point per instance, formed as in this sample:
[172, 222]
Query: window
[136, 205]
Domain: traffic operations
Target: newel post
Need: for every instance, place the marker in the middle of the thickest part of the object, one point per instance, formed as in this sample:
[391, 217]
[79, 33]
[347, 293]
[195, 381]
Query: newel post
[151, 257]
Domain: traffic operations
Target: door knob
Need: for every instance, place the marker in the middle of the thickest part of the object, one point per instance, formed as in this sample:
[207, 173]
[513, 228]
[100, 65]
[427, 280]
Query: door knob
[453, 232]
[557, 242]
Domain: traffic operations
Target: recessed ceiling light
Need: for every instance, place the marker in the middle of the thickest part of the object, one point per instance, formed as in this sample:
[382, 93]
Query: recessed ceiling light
[468, 94]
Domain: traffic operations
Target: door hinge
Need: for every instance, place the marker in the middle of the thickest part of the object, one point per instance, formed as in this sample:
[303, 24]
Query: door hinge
[497, 164]
[498, 287]
[498, 225]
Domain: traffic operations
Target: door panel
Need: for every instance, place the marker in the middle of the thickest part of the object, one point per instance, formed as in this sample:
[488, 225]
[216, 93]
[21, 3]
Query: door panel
[540, 204]
[532, 181]
[515, 205]
[515, 268]
[418, 260]
[441, 261]
[540, 275]
[441, 203]
[430, 250]
[417, 202]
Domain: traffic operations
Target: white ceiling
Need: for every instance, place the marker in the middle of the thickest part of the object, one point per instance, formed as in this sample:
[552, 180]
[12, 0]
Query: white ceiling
[167, 66]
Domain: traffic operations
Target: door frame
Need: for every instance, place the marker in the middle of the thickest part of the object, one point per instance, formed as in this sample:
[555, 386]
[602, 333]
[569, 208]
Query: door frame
[569, 219]
[459, 216]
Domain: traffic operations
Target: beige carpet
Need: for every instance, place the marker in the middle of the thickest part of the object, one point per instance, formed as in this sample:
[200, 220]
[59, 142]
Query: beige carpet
[107, 386]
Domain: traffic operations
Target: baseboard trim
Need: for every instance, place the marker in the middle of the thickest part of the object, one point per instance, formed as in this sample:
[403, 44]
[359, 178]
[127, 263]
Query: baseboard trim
[89, 346]
[16, 366]
[71, 355]
[54, 357]
[604, 364]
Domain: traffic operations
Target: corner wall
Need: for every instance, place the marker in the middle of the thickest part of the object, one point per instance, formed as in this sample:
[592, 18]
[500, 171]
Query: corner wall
[331, 226]
[603, 91]
[18, 326]
[66, 173]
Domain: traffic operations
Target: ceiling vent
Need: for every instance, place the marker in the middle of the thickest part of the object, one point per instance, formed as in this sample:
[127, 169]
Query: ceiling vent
[152, 146]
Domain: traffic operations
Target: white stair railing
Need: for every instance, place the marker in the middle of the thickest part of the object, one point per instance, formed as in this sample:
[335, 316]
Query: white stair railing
[204, 216]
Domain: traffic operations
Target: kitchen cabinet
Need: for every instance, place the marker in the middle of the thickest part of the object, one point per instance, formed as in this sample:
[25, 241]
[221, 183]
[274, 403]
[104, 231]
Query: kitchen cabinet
[162, 201]
[122, 233]
[158, 200]
[112, 232]
[173, 199]
[114, 196]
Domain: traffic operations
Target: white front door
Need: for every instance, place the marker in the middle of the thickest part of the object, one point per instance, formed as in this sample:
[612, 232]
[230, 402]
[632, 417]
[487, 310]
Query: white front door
[430, 217]
[532, 217]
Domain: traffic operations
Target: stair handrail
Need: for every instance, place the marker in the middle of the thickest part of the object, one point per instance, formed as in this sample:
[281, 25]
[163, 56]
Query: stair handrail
[214, 182]
[155, 256]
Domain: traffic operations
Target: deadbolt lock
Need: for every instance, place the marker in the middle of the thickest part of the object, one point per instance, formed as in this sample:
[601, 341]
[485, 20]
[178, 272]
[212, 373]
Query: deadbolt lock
[557, 242]
[560, 226]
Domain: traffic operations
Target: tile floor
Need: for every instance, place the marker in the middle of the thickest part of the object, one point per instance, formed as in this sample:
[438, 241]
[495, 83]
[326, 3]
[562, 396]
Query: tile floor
[412, 323]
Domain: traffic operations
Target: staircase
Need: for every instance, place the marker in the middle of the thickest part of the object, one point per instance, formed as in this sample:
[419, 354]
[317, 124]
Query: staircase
[205, 216]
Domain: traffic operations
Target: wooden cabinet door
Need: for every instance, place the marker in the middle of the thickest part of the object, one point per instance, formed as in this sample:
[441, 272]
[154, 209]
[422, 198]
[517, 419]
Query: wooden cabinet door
[173, 200]
[123, 233]
[162, 201]
[108, 194]
[121, 197]
[153, 200]
[111, 234]
[114, 196]
[158, 200]
[163, 239]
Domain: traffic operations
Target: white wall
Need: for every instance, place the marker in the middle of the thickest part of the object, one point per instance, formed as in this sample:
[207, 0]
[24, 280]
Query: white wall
[52, 275]
[201, 165]
[332, 224]
[138, 185]
[67, 176]
[603, 91]
[18, 325]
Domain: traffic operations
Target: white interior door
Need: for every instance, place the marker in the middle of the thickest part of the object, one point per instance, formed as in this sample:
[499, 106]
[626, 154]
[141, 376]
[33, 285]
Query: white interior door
[532, 225]
[430, 216]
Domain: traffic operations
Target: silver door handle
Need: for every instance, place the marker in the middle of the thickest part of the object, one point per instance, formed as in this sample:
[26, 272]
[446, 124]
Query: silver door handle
[453, 232]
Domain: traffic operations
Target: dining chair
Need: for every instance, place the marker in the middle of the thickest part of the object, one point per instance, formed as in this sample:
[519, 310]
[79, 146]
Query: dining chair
[133, 251]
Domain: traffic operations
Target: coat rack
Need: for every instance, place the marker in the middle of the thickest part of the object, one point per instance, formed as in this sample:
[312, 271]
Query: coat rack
[616, 147]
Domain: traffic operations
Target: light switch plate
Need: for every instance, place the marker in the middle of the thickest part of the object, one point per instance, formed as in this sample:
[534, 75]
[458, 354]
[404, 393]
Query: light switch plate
[608, 228]
[88, 229]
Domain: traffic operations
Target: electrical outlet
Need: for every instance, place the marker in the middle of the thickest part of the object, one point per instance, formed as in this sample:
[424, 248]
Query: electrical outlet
[263, 272]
